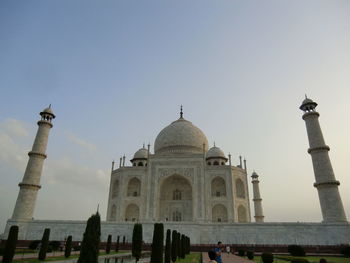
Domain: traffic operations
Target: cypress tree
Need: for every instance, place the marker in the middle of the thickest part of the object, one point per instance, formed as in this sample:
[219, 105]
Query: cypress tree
[183, 246]
[123, 241]
[44, 244]
[68, 248]
[10, 245]
[117, 245]
[109, 243]
[137, 241]
[167, 254]
[189, 245]
[91, 240]
[157, 243]
[173, 246]
[178, 245]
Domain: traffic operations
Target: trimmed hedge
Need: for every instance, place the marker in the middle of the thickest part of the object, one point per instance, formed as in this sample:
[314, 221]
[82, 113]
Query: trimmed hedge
[250, 254]
[296, 250]
[10, 245]
[68, 248]
[267, 257]
[241, 252]
[44, 244]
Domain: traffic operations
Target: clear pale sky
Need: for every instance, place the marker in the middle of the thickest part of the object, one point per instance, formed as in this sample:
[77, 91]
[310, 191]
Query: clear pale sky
[116, 73]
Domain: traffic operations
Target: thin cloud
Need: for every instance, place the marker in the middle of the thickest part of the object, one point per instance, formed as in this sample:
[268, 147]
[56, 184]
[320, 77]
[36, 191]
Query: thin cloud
[80, 142]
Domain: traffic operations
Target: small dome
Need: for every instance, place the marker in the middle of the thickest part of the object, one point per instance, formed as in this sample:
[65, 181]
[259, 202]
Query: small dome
[49, 111]
[308, 104]
[255, 175]
[141, 154]
[181, 136]
[307, 100]
[215, 152]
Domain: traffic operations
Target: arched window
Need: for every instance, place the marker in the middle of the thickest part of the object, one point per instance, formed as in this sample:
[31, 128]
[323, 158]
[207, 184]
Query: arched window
[115, 189]
[219, 213]
[218, 187]
[177, 216]
[132, 213]
[242, 214]
[177, 195]
[216, 163]
[240, 188]
[140, 164]
[134, 187]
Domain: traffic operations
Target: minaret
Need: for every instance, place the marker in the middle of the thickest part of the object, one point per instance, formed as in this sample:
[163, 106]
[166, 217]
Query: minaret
[30, 184]
[259, 215]
[326, 184]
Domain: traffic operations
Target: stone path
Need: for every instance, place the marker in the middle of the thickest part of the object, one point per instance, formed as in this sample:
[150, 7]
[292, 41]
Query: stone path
[227, 258]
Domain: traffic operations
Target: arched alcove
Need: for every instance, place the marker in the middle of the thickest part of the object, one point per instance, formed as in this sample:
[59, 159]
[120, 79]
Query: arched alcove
[175, 199]
[240, 192]
[113, 214]
[218, 187]
[115, 189]
[242, 214]
[132, 213]
[219, 213]
[134, 187]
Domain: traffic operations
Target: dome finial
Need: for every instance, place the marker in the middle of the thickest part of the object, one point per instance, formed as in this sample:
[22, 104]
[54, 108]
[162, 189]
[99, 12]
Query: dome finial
[181, 113]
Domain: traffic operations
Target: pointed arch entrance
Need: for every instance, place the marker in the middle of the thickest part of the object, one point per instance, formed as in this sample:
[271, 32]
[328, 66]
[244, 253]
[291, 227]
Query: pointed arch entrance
[175, 200]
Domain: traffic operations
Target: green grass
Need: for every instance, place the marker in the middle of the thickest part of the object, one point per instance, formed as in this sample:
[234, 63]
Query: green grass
[35, 260]
[191, 258]
[311, 259]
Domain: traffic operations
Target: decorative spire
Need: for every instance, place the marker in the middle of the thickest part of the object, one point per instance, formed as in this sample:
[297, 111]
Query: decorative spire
[50, 106]
[181, 113]
[305, 96]
[143, 146]
[214, 144]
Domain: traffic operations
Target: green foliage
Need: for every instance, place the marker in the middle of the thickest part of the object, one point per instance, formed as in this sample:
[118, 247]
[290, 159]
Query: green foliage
[178, 245]
[173, 246]
[44, 244]
[91, 240]
[167, 253]
[137, 241]
[183, 246]
[109, 243]
[157, 243]
[241, 252]
[296, 250]
[10, 245]
[117, 245]
[299, 260]
[34, 244]
[123, 240]
[346, 251]
[250, 254]
[68, 248]
[267, 257]
[55, 245]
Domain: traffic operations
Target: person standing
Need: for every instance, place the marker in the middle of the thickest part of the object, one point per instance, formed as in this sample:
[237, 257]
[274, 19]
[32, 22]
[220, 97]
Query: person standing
[218, 250]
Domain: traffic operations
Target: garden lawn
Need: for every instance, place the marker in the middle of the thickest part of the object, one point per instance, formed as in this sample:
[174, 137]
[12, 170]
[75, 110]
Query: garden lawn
[35, 260]
[311, 259]
[191, 258]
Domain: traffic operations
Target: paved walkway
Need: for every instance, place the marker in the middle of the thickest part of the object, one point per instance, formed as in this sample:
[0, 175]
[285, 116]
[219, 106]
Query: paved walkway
[227, 258]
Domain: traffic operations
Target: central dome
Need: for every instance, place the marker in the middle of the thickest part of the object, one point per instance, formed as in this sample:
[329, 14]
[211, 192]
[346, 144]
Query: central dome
[181, 136]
